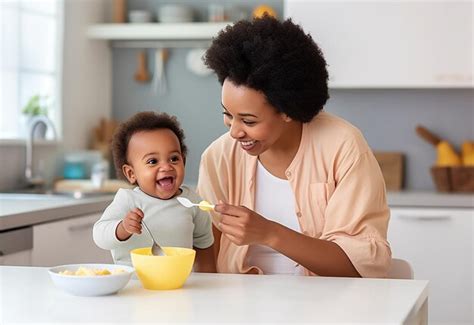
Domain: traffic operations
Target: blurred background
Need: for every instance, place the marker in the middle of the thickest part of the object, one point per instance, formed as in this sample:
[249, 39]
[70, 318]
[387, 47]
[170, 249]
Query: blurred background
[71, 70]
[391, 68]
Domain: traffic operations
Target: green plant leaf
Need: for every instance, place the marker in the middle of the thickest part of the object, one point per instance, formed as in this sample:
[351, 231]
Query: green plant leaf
[35, 106]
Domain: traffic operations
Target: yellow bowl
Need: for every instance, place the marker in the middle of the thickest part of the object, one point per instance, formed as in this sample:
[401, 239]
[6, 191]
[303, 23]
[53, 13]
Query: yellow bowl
[163, 272]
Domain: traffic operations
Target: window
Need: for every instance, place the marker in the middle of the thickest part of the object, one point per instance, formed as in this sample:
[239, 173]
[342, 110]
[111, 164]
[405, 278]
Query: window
[30, 60]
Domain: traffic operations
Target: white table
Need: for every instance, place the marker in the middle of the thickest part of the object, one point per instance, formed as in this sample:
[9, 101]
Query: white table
[28, 295]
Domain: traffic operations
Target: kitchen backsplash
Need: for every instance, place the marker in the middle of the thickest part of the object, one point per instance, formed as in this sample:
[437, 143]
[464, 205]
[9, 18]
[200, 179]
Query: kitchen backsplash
[386, 117]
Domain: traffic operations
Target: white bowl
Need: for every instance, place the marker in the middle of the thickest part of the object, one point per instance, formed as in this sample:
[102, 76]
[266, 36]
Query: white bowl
[175, 14]
[98, 285]
[139, 16]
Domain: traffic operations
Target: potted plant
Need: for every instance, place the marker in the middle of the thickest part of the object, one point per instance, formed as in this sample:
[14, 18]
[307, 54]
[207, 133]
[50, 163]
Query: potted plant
[36, 106]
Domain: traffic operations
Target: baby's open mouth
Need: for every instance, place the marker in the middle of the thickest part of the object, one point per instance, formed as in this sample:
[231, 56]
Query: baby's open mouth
[167, 183]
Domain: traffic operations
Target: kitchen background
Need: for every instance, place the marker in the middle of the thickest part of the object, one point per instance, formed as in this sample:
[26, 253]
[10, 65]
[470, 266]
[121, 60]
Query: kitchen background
[98, 82]
[385, 93]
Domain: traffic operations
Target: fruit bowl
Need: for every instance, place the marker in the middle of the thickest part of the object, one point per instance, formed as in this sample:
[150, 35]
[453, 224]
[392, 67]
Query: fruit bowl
[453, 179]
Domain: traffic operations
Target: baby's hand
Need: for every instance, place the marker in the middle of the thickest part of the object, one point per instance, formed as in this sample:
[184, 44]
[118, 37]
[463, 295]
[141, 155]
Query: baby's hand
[132, 223]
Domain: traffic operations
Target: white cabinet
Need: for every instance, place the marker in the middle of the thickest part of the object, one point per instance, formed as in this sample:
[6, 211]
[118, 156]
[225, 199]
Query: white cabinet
[391, 44]
[67, 241]
[16, 246]
[438, 243]
[22, 258]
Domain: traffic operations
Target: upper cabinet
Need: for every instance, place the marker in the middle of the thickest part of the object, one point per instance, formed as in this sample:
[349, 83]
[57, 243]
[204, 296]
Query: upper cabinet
[391, 44]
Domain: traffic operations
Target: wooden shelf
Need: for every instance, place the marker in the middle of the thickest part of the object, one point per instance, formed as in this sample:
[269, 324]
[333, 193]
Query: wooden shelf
[155, 31]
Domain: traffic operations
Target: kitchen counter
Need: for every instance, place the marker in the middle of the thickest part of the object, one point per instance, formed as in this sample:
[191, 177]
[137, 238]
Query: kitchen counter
[15, 213]
[430, 199]
[28, 295]
[24, 211]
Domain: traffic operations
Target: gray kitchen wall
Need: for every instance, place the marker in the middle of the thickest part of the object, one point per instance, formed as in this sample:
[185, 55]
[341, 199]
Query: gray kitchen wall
[386, 117]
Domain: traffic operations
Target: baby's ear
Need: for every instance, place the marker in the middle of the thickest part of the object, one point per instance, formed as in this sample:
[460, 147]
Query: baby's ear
[128, 172]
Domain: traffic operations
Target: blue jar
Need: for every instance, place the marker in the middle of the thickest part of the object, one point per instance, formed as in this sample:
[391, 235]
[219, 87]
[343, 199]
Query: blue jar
[74, 170]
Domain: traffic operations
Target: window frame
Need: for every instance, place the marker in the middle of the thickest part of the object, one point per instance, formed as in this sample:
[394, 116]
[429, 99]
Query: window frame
[56, 113]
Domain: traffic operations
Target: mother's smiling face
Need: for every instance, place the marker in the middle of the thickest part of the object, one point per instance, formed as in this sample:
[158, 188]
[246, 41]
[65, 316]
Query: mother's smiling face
[252, 121]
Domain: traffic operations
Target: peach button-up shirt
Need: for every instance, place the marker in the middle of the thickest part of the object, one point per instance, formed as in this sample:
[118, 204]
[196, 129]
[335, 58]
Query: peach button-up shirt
[338, 188]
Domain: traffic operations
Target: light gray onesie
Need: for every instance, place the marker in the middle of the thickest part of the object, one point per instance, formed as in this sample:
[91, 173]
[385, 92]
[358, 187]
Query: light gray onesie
[170, 223]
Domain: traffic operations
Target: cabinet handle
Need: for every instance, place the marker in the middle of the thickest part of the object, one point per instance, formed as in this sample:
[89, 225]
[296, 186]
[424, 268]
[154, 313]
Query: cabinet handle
[81, 227]
[425, 218]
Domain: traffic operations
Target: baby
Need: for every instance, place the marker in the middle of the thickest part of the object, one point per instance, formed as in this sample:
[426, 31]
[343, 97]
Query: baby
[149, 151]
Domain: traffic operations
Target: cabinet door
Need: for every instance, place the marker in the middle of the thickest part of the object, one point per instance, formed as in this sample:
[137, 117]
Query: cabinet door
[22, 258]
[67, 242]
[438, 243]
[16, 246]
[391, 44]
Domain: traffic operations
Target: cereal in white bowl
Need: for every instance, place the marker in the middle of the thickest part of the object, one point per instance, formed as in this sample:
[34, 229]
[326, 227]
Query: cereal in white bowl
[84, 271]
[91, 279]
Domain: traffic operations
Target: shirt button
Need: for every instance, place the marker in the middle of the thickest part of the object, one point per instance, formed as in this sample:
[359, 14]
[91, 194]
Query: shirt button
[288, 174]
[298, 214]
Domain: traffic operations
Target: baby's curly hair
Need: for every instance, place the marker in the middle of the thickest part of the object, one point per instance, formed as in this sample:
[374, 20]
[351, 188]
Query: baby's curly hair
[276, 58]
[143, 121]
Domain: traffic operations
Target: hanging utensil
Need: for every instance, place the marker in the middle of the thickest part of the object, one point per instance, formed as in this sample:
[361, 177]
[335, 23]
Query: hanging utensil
[160, 85]
[142, 75]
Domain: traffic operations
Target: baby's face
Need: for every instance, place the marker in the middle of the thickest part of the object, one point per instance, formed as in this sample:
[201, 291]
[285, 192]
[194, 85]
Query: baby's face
[155, 163]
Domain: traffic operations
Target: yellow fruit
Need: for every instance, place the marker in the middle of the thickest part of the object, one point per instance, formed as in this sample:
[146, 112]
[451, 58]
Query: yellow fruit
[467, 147]
[447, 156]
[468, 160]
[261, 10]
[467, 152]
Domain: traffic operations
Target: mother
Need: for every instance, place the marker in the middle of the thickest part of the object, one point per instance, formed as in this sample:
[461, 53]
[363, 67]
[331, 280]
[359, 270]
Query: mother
[303, 192]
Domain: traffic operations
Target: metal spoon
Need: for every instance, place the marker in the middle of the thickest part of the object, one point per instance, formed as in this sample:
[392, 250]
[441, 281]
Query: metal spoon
[203, 205]
[155, 249]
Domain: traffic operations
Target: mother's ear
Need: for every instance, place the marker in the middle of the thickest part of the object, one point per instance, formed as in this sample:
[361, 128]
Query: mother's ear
[286, 118]
[128, 172]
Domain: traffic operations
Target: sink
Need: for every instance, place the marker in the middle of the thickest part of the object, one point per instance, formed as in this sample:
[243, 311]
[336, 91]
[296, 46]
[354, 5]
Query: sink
[46, 194]
[34, 196]
[65, 189]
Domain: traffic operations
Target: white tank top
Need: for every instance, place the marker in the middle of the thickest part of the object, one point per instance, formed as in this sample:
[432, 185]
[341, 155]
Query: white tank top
[274, 199]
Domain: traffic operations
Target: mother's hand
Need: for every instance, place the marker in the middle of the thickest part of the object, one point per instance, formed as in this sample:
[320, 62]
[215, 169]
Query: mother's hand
[242, 225]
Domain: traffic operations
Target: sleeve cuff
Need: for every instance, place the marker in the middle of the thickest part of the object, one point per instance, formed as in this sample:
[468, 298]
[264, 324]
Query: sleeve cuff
[370, 257]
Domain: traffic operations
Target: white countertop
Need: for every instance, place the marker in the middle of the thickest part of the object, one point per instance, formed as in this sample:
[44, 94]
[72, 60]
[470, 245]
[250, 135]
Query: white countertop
[425, 199]
[27, 210]
[28, 295]
[16, 213]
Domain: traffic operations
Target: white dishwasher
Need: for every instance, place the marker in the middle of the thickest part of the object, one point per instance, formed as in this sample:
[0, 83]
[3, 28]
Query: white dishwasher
[16, 246]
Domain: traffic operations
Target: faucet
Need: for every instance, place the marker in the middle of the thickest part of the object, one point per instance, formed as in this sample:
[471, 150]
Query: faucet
[35, 121]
